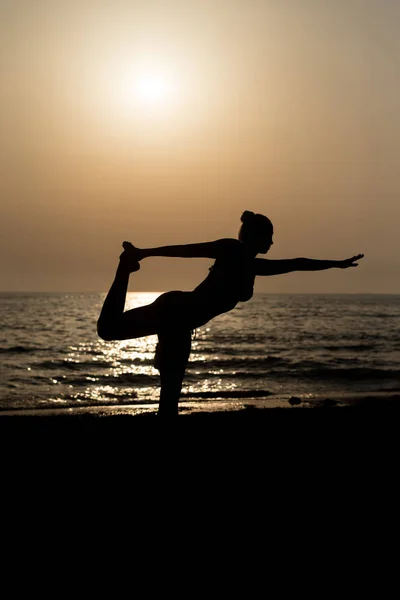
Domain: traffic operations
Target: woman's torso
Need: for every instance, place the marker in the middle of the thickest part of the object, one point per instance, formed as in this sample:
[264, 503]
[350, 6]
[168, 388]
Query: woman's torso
[230, 280]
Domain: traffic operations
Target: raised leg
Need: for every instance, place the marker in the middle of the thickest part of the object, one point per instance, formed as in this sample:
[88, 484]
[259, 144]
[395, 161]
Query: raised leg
[110, 319]
[168, 316]
[172, 358]
[116, 324]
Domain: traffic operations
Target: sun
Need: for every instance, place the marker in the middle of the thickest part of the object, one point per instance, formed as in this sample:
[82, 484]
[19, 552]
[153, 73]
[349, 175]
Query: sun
[154, 88]
[143, 91]
[137, 95]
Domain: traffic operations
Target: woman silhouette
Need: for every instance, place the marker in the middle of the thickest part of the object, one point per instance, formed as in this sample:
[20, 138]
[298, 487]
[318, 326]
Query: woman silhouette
[173, 315]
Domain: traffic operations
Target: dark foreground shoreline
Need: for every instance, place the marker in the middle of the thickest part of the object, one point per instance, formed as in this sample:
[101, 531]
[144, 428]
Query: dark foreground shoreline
[383, 403]
[322, 436]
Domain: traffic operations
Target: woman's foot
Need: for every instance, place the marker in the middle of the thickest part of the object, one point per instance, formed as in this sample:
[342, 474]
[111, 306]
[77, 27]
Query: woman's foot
[129, 257]
[130, 248]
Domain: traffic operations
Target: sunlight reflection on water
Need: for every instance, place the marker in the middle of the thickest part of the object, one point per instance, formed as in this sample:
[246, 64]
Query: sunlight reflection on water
[126, 357]
[289, 345]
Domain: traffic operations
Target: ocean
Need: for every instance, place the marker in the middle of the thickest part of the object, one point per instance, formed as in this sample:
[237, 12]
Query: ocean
[275, 347]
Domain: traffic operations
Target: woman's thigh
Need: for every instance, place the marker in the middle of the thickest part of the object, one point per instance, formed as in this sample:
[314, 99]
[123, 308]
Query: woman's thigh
[175, 311]
[169, 312]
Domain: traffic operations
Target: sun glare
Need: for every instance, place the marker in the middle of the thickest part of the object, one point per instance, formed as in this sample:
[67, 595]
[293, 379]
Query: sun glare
[140, 92]
[154, 88]
[137, 94]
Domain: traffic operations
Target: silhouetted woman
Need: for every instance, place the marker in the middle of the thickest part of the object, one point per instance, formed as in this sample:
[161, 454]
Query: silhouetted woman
[173, 315]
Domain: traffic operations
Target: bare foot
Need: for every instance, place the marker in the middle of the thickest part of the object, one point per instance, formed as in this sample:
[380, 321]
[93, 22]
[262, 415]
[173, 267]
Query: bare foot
[129, 257]
[128, 246]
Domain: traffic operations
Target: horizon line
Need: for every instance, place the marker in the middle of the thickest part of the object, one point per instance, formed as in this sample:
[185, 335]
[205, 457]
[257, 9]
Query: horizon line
[163, 291]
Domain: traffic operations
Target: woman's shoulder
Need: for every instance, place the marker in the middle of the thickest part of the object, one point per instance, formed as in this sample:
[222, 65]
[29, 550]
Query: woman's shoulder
[230, 244]
[229, 249]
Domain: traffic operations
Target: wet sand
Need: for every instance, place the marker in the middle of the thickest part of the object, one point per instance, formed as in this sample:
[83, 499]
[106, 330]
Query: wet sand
[224, 410]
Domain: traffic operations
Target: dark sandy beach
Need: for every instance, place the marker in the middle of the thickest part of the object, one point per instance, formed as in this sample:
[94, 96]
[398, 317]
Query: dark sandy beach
[224, 411]
[325, 436]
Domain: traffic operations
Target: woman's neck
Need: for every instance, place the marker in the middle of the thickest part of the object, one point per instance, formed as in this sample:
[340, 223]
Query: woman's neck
[250, 250]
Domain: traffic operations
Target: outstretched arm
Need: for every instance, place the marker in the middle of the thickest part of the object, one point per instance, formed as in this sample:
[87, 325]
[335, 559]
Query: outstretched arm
[277, 267]
[203, 250]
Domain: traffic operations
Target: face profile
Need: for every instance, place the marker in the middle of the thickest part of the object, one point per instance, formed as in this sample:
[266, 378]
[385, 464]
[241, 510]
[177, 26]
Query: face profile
[264, 242]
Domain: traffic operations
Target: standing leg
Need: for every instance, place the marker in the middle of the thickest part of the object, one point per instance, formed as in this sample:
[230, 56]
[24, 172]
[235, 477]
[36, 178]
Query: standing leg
[172, 358]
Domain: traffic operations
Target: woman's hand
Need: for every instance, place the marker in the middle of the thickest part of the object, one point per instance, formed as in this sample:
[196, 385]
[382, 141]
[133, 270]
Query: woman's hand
[129, 259]
[350, 262]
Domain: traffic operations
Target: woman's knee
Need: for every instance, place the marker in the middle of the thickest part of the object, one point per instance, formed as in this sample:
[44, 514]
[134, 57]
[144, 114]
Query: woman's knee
[106, 331]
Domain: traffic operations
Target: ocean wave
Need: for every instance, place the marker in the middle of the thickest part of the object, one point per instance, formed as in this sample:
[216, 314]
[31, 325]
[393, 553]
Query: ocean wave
[228, 363]
[324, 373]
[227, 394]
[236, 338]
[121, 379]
[20, 349]
[353, 347]
[82, 365]
[359, 337]
[266, 367]
[237, 350]
[143, 362]
[71, 365]
[73, 402]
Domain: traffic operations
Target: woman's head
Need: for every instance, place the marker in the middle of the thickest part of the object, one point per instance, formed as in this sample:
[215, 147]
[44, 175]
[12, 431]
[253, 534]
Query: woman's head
[256, 231]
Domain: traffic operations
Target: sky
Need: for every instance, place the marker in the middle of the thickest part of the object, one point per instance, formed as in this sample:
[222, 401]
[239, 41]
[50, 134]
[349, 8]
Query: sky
[160, 122]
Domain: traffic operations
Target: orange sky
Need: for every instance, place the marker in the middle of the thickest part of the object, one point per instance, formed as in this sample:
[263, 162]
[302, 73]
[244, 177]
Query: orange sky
[285, 108]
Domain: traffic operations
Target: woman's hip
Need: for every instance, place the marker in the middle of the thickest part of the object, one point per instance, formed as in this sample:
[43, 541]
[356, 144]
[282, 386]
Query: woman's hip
[178, 310]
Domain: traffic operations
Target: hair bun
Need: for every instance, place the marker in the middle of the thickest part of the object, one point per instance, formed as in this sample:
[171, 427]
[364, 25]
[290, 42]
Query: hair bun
[247, 216]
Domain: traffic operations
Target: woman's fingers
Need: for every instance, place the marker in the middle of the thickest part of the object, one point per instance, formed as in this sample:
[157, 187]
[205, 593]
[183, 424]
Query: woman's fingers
[353, 261]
